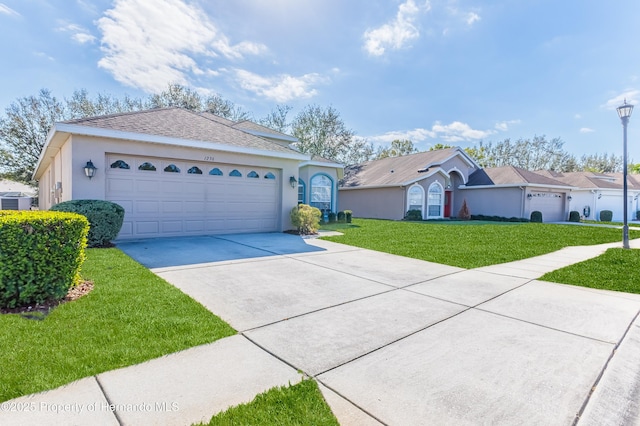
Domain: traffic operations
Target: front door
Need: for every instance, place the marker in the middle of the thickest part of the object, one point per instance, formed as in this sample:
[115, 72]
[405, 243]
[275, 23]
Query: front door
[447, 203]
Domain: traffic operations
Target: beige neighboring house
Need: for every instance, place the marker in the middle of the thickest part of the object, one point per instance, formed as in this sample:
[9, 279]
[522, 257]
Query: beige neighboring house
[514, 192]
[16, 195]
[426, 181]
[594, 192]
[177, 172]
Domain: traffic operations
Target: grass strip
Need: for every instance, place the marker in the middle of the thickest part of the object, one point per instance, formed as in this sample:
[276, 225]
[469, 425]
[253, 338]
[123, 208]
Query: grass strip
[616, 269]
[471, 245]
[131, 316]
[300, 404]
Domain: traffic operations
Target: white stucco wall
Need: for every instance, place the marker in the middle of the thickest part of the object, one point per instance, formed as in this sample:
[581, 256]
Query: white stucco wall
[374, 203]
[505, 202]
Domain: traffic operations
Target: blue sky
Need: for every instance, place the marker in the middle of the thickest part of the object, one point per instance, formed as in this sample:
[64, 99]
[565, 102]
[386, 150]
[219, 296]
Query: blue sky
[439, 71]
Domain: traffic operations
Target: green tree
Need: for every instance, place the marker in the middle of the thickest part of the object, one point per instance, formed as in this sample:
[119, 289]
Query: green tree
[277, 119]
[80, 105]
[321, 131]
[397, 148]
[439, 146]
[634, 168]
[601, 163]
[23, 131]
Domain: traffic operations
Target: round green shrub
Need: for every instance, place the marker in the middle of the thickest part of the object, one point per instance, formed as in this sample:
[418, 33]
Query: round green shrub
[332, 217]
[40, 256]
[574, 216]
[413, 215]
[606, 215]
[536, 216]
[341, 216]
[349, 213]
[306, 219]
[105, 218]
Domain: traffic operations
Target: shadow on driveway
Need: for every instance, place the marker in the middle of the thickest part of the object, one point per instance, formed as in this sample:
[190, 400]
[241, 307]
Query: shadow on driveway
[181, 251]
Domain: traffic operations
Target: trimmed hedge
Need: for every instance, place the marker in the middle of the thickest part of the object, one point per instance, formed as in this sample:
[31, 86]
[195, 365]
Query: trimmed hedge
[606, 215]
[349, 213]
[574, 216]
[413, 215]
[498, 218]
[536, 216]
[341, 216]
[105, 218]
[306, 219]
[40, 255]
[332, 217]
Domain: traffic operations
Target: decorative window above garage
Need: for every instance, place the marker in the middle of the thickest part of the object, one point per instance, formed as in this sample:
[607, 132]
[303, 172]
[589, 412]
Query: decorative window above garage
[120, 164]
[194, 171]
[252, 174]
[235, 173]
[146, 166]
[172, 168]
[215, 172]
[269, 176]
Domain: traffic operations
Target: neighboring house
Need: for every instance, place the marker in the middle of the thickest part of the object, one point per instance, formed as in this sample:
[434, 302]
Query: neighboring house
[426, 181]
[594, 192]
[177, 172]
[514, 192]
[15, 195]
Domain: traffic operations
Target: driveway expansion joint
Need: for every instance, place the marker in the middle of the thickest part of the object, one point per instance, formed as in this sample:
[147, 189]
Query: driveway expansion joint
[104, 393]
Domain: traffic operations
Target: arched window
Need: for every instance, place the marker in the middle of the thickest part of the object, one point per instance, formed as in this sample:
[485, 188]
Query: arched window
[434, 201]
[235, 173]
[253, 174]
[269, 176]
[172, 168]
[194, 171]
[321, 192]
[215, 172]
[119, 164]
[415, 198]
[146, 166]
[301, 191]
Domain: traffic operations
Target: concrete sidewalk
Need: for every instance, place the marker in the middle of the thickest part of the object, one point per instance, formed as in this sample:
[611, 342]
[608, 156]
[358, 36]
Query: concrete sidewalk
[391, 340]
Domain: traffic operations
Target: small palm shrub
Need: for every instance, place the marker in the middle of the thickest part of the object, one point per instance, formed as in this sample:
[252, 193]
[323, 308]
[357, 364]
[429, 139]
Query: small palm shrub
[306, 219]
[574, 216]
[105, 219]
[536, 216]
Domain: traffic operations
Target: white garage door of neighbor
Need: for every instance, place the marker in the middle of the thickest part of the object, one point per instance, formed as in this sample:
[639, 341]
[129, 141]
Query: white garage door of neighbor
[165, 197]
[551, 204]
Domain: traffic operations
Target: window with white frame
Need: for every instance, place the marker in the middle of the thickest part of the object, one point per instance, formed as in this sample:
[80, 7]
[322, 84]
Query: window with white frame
[415, 198]
[434, 201]
[301, 191]
[321, 191]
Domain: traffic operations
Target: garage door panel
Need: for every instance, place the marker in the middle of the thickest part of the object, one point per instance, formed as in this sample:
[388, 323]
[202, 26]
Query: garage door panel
[161, 203]
[550, 204]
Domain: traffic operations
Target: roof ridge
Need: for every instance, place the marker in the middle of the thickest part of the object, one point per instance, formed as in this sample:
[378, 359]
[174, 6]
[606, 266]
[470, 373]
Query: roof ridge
[122, 114]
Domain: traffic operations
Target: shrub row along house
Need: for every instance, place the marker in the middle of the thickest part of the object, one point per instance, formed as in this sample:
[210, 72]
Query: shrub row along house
[178, 172]
[437, 182]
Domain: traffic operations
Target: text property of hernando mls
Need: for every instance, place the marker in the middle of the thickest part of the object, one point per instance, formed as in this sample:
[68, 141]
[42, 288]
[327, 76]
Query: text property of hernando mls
[76, 408]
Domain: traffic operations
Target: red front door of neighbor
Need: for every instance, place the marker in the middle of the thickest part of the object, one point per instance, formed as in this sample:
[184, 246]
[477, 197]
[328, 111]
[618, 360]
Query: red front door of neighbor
[447, 203]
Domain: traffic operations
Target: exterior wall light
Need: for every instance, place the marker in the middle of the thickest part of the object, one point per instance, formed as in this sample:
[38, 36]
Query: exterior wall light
[569, 197]
[90, 169]
[293, 182]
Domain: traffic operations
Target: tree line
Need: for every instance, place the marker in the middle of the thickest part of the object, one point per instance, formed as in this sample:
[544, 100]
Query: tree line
[320, 131]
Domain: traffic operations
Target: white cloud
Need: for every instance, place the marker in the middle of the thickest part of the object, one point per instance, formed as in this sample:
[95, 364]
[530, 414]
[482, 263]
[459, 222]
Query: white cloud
[79, 33]
[630, 95]
[44, 55]
[586, 130]
[472, 17]
[453, 132]
[6, 10]
[503, 126]
[280, 88]
[577, 116]
[397, 33]
[150, 44]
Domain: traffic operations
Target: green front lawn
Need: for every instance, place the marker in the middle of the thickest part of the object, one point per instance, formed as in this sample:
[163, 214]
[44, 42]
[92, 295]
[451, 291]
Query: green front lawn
[464, 245]
[301, 404]
[617, 269]
[131, 316]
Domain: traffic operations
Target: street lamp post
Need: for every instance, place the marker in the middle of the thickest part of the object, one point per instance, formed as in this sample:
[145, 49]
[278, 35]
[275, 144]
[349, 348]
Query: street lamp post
[624, 112]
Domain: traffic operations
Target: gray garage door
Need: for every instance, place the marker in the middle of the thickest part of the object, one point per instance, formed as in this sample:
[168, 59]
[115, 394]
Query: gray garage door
[551, 204]
[167, 197]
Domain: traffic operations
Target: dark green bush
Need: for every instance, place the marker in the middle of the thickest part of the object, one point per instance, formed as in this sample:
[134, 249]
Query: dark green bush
[105, 218]
[606, 215]
[341, 216]
[332, 217]
[348, 213]
[40, 255]
[413, 215]
[536, 216]
[574, 216]
[498, 218]
[638, 215]
[305, 218]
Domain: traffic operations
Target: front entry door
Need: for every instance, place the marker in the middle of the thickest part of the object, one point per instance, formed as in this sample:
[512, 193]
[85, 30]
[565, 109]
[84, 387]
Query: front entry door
[447, 203]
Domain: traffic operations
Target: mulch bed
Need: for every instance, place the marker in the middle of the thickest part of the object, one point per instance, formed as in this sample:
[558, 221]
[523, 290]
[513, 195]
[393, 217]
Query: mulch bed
[40, 310]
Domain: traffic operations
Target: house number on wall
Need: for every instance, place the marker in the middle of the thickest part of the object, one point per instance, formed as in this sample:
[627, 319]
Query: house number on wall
[209, 158]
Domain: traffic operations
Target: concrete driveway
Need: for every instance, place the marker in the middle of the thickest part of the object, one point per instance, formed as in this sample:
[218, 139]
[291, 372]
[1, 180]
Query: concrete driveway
[399, 341]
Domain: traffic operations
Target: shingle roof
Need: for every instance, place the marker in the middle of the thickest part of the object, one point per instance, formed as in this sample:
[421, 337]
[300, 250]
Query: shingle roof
[593, 180]
[395, 170]
[250, 125]
[510, 175]
[182, 124]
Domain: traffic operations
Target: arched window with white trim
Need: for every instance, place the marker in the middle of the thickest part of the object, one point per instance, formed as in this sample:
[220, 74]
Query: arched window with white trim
[415, 198]
[321, 195]
[434, 201]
